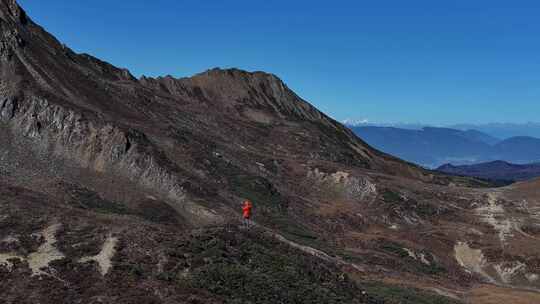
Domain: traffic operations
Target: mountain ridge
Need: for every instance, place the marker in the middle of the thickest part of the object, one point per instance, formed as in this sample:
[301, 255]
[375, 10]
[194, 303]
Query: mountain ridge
[496, 170]
[433, 147]
[498, 130]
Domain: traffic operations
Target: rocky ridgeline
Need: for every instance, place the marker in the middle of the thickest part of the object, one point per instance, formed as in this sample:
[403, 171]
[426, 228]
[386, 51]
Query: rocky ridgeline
[98, 146]
[235, 87]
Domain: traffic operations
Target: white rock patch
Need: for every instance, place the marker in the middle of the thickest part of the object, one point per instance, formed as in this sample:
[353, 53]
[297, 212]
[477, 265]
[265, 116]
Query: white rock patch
[359, 188]
[494, 215]
[532, 277]
[423, 259]
[410, 252]
[104, 258]
[417, 256]
[394, 227]
[507, 271]
[472, 260]
[46, 253]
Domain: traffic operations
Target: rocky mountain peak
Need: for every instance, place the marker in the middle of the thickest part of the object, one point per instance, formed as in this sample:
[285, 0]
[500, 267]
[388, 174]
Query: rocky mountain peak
[259, 95]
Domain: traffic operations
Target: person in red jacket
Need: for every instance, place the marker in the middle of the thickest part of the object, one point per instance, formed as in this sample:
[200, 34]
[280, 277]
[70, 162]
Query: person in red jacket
[246, 212]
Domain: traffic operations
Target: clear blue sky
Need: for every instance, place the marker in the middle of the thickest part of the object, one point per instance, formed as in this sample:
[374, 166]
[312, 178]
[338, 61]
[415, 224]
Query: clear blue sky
[437, 62]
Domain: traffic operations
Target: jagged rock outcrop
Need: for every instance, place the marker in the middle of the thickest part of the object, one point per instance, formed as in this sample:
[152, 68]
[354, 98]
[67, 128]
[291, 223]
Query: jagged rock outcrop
[98, 146]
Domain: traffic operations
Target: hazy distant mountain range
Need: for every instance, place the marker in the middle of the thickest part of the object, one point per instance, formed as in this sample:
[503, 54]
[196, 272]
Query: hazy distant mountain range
[433, 147]
[497, 170]
[503, 130]
[498, 130]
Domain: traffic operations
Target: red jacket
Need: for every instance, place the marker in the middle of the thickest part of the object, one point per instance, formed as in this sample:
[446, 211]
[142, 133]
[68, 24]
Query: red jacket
[246, 209]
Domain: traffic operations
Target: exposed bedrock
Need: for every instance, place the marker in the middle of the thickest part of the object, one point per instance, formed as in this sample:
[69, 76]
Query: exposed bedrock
[98, 146]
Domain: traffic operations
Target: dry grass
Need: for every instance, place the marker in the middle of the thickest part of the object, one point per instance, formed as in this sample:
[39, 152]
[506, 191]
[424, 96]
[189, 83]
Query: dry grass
[488, 294]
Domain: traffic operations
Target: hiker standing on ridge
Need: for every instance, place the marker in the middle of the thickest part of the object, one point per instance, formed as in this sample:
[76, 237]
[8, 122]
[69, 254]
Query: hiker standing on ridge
[246, 213]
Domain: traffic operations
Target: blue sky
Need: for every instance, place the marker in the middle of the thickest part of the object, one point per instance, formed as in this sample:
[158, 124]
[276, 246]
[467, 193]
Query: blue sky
[434, 62]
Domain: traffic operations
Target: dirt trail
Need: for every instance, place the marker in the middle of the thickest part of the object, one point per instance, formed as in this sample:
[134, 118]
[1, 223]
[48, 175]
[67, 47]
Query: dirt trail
[307, 249]
[315, 252]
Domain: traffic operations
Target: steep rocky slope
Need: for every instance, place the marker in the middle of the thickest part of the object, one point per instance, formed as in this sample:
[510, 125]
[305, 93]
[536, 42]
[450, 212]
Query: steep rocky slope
[116, 189]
